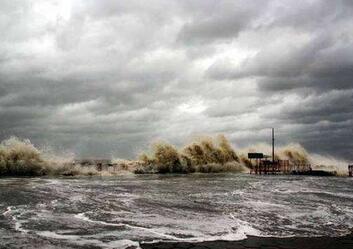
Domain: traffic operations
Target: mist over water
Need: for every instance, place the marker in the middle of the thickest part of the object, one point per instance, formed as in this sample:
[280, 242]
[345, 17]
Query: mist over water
[206, 154]
[121, 211]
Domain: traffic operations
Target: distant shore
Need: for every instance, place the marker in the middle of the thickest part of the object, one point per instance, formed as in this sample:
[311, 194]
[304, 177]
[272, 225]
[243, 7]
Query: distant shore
[344, 242]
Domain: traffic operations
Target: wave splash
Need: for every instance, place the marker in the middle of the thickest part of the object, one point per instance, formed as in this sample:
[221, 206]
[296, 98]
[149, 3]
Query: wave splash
[206, 155]
[297, 154]
[21, 158]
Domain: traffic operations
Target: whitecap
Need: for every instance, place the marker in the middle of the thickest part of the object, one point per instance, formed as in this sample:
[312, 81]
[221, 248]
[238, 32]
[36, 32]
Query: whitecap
[85, 240]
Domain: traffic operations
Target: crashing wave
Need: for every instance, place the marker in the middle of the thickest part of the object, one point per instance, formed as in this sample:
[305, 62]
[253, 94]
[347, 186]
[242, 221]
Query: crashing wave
[205, 155]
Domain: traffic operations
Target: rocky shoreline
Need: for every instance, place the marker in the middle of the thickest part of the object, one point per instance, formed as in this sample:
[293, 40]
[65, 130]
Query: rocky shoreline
[344, 242]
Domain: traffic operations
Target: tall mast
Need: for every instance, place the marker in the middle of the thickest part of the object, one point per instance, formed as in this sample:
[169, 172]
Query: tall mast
[273, 145]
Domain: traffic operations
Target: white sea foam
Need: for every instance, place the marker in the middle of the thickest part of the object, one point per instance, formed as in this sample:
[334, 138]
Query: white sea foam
[263, 205]
[182, 210]
[12, 213]
[244, 228]
[313, 191]
[204, 230]
[82, 216]
[86, 240]
[8, 211]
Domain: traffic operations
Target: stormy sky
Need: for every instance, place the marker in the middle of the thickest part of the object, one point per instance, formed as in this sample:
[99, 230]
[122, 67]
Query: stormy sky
[106, 77]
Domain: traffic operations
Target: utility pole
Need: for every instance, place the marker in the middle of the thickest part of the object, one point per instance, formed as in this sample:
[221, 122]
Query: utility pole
[273, 145]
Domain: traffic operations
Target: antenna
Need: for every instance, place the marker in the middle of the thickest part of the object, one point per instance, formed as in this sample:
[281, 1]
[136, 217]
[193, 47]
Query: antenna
[273, 145]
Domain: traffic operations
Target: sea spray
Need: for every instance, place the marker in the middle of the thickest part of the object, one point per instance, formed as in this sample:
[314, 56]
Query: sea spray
[123, 166]
[19, 157]
[297, 154]
[205, 155]
[294, 153]
[329, 163]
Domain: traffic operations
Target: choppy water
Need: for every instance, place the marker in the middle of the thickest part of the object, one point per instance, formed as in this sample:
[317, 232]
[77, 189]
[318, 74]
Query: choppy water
[122, 211]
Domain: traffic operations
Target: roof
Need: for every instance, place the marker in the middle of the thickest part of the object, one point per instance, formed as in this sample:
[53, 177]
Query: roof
[257, 155]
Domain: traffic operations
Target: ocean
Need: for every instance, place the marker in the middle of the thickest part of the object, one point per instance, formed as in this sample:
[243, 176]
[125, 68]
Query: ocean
[124, 211]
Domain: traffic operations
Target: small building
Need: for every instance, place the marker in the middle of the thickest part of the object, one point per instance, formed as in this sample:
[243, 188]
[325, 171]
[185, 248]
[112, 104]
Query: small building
[350, 170]
[263, 164]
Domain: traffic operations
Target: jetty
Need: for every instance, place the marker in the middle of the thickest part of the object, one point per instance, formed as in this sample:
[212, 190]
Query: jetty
[265, 164]
[262, 165]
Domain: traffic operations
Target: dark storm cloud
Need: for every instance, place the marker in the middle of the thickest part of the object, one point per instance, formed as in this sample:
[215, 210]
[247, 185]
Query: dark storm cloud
[220, 20]
[107, 77]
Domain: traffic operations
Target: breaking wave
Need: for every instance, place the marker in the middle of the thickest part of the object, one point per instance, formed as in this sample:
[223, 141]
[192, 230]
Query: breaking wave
[21, 158]
[297, 154]
[205, 155]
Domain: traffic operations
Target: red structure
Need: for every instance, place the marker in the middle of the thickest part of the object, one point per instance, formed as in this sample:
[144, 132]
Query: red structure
[350, 170]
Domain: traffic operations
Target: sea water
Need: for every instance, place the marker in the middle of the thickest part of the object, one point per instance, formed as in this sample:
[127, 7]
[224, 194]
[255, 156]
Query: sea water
[122, 211]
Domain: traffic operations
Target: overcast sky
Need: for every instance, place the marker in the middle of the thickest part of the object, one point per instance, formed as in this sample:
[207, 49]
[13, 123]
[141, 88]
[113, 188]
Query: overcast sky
[101, 78]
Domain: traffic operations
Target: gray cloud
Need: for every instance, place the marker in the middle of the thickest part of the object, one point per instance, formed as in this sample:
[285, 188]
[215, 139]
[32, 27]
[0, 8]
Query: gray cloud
[103, 78]
[220, 20]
